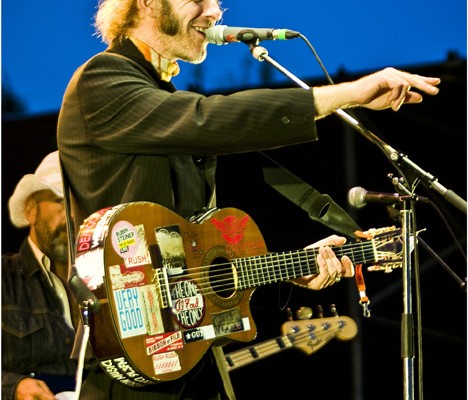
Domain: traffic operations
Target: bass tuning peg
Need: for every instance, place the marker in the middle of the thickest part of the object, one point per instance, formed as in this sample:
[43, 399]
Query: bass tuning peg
[320, 311]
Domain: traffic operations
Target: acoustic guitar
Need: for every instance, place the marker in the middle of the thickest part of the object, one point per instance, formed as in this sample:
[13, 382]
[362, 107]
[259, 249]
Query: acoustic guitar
[170, 287]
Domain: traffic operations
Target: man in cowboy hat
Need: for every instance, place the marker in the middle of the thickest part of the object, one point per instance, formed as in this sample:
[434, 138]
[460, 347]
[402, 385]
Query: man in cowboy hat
[37, 329]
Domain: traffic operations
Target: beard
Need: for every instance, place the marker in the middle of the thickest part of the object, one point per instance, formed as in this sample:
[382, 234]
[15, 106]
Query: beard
[170, 25]
[53, 242]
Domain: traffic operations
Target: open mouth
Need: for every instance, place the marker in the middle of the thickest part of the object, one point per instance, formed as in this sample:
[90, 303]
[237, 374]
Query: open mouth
[200, 30]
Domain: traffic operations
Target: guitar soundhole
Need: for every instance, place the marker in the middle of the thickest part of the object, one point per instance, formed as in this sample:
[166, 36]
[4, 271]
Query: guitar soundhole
[221, 277]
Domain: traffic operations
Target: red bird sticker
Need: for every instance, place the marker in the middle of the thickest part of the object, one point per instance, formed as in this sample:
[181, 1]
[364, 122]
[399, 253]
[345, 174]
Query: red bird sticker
[232, 228]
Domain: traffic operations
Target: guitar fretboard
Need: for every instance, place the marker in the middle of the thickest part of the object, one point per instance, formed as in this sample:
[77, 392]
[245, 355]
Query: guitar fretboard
[253, 353]
[276, 267]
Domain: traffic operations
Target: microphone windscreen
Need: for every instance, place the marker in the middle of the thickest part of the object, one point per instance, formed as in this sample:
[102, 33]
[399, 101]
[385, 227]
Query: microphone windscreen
[356, 197]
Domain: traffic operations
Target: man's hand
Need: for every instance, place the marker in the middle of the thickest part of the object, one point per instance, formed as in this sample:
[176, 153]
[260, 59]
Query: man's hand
[388, 88]
[331, 268]
[391, 88]
[33, 389]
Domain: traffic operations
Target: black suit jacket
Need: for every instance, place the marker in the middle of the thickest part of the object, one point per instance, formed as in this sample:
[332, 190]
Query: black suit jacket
[124, 135]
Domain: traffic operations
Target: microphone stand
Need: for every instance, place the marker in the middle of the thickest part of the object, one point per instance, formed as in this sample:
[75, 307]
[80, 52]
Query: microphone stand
[398, 159]
[407, 335]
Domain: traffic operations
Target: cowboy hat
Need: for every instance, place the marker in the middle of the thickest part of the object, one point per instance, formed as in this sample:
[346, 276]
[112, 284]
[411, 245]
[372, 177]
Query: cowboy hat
[46, 177]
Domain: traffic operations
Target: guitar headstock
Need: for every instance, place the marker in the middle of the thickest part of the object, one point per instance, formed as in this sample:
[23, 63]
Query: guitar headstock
[310, 335]
[388, 247]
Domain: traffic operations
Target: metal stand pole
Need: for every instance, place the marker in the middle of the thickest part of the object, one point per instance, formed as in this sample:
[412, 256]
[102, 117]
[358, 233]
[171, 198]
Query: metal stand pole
[407, 340]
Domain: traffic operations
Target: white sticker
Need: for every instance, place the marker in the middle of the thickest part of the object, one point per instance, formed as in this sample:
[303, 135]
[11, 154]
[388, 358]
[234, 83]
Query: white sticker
[166, 362]
[125, 239]
[129, 312]
[141, 255]
[152, 309]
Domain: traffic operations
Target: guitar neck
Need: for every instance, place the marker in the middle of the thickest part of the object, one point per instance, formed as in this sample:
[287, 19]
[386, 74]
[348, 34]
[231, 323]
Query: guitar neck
[240, 358]
[276, 267]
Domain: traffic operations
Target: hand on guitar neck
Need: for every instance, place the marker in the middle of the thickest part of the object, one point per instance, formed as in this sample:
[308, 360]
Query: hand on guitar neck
[330, 267]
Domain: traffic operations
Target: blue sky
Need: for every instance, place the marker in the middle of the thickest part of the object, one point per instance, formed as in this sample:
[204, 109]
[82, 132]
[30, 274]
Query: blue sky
[44, 41]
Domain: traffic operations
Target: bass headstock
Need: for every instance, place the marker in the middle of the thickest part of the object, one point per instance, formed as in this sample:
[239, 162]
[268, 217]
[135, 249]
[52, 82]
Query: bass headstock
[310, 335]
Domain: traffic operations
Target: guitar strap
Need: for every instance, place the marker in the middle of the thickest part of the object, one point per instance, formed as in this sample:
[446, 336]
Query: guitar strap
[320, 207]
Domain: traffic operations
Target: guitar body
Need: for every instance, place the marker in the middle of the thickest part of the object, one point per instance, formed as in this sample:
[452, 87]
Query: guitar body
[166, 286]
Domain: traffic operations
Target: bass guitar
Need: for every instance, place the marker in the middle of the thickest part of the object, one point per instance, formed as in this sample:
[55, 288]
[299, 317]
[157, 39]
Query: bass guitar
[308, 336]
[169, 288]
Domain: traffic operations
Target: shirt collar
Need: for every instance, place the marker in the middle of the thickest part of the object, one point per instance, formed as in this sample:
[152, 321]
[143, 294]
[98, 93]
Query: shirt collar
[166, 69]
[42, 259]
[37, 252]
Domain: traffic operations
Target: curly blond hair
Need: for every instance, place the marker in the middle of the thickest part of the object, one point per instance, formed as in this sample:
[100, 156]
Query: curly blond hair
[114, 18]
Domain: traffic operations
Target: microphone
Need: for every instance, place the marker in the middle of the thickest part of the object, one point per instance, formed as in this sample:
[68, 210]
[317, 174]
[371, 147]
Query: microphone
[223, 34]
[359, 197]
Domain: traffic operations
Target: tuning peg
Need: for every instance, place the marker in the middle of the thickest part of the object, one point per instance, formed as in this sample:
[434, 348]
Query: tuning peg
[304, 313]
[289, 315]
[333, 310]
[320, 311]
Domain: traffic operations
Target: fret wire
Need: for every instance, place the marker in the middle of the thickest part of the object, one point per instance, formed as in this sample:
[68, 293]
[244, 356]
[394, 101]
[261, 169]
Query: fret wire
[248, 262]
[308, 265]
[278, 267]
[258, 270]
[301, 258]
[270, 268]
[281, 262]
[256, 276]
[240, 273]
[283, 265]
[275, 267]
[288, 261]
[248, 272]
[293, 264]
[254, 268]
[306, 262]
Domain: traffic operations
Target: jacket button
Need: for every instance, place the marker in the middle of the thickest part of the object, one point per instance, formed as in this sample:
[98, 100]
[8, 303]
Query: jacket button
[285, 120]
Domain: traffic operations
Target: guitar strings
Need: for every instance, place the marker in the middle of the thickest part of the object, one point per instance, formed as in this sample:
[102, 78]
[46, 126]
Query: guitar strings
[241, 276]
[290, 271]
